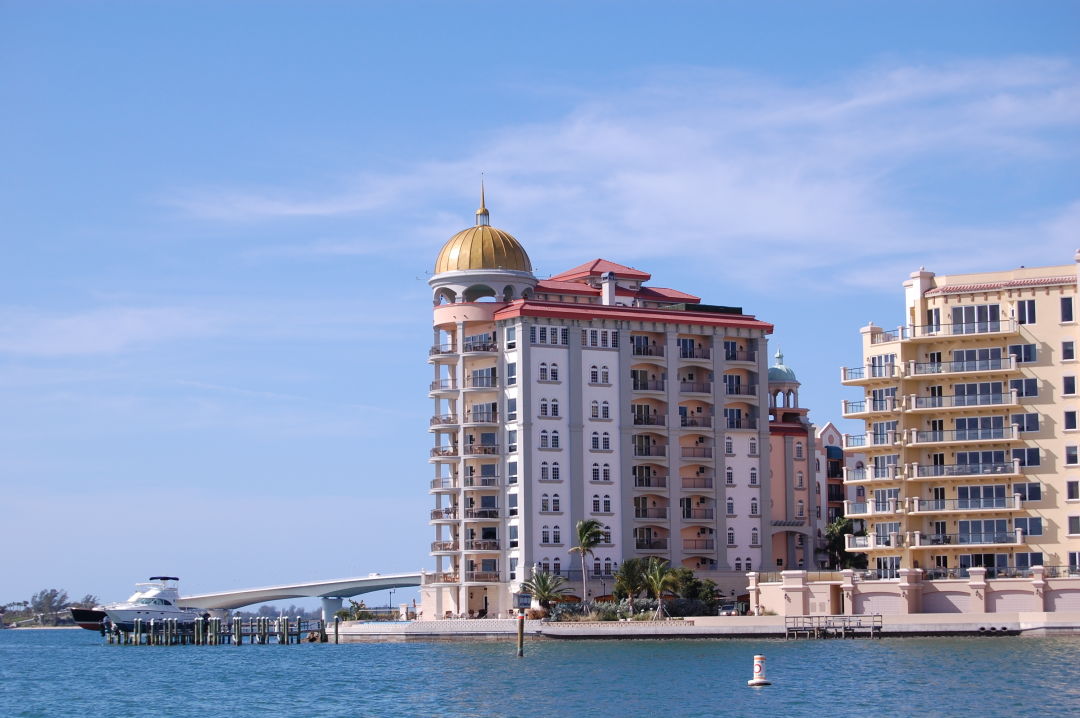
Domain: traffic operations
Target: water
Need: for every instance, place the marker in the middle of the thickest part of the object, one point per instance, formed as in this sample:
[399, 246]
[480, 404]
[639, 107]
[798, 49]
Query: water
[73, 673]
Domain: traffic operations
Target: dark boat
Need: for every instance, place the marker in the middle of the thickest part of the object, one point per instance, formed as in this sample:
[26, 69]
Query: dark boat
[88, 618]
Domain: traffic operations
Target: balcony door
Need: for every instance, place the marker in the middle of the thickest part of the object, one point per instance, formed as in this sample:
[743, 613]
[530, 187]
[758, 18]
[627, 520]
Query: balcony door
[980, 427]
[985, 531]
[981, 497]
[976, 319]
[976, 359]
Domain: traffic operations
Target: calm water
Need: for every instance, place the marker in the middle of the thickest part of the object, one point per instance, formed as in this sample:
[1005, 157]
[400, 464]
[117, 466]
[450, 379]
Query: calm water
[72, 673]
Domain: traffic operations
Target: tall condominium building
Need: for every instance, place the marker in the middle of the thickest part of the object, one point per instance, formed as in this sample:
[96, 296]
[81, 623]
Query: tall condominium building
[971, 427]
[589, 395]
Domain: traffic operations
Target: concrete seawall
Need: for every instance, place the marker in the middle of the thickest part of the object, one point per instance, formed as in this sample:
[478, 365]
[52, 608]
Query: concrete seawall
[924, 624]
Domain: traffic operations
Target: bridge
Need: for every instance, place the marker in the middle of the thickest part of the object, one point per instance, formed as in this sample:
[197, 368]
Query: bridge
[331, 592]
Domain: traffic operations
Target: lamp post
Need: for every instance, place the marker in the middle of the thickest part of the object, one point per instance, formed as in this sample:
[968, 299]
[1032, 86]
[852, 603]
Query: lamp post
[391, 599]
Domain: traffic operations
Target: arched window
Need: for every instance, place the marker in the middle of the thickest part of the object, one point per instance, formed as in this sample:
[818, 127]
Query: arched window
[800, 508]
[556, 565]
[607, 535]
[544, 441]
[606, 443]
[555, 535]
[596, 566]
[607, 504]
[731, 506]
[554, 470]
[729, 476]
[543, 371]
[544, 473]
[731, 537]
[753, 476]
[595, 409]
[554, 374]
[753, 541]
[545, 535]
[605, 410]
[596, 440]
[545, 503]
[754, 507]
[607, 562]
[860, 492]
[594, 375]
[555, 440]
[798, 450]
[545, 563]
[753, 447]
[596, 472]
[729, 446]
[596, 503]
[604, 375]
[738, 565]
[799, 480]
[555, 504]
[554, 407]
[607, 472]
[748, 567]
[544, 408]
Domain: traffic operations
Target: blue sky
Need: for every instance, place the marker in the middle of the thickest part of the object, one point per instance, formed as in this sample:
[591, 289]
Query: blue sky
[219, 216]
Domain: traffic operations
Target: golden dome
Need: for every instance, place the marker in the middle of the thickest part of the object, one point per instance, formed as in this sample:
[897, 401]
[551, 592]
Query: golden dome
[482, 247]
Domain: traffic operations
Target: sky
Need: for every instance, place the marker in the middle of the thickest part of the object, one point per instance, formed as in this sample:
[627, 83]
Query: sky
[219, 218]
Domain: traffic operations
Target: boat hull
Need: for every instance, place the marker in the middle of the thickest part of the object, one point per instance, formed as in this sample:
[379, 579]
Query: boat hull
[88, 618]
[125, 619]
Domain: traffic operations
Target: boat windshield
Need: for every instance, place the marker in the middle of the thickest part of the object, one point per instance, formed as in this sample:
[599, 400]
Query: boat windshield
[153, 602]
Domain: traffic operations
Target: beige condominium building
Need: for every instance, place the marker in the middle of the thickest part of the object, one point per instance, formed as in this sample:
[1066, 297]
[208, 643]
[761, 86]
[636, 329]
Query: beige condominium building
[587, 395]
[971, 428]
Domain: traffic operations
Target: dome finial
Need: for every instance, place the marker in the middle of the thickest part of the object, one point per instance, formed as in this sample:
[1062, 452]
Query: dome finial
[483, 219]
[779, 357]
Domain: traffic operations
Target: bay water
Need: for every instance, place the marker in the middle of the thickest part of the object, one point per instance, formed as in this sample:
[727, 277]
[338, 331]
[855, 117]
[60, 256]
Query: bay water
[45, 673]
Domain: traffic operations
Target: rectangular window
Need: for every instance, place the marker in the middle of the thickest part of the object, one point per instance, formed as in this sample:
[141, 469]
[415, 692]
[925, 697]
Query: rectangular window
[512, 508]
[1031, 525]
[532, 335]
[1066, 309]
[1026, 422]
[1068, 385]
[1068, 351]
[1027, 457]
[1072, 490]
[1024, 353]
[1028, 492]
[1025, 311]
[1025, 387]
[512, 531]
[1070, 455]
[1027, 559]
[511, 337]
[976, 319]
[1070, 420]
[1074, 524]
[511, 409]
[511, 374]
[511, 440]
[512, 472]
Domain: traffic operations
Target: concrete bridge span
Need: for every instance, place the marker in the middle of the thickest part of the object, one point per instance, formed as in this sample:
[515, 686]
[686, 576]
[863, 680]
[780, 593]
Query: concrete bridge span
[331, 592]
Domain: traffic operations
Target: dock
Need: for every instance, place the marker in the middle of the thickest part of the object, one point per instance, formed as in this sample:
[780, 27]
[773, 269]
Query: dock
[833, 626]
[261, 630]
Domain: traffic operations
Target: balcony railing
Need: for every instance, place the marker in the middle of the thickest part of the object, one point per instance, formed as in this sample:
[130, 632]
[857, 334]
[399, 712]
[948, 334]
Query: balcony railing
[992, 503]
[740, 355]
[1001, 433]
[698, 514]
[872, 541]
[656, 544]
[886, 337]
[481, 382]
[740, 389]
[444, 483]
[481, 449]
[697, 482]
[646, 351]
[647, 451]
[743, 423]
[995, 326]
[689, 421]
[651, 482]
[699, 544]
[444, 451]
[696, 452]
[481, 417]
[437, 546]
[985, 538]
[480, 347]
[484, 513]
[928, 471]
[871, 508]
[444, 577]
[657, 420]
[870, 371]
[444, 419]
[953, 401]
[649, 385]
[963, 367]
[654, 513]
[941, 574]
[482, 545]
[863, 406]
[438, 349]
[448, 513]
[481, 481]
[482, 576]
[442, 385]
[695, 353]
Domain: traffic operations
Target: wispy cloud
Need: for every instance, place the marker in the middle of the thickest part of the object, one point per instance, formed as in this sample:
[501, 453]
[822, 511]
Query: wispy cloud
[740, 170]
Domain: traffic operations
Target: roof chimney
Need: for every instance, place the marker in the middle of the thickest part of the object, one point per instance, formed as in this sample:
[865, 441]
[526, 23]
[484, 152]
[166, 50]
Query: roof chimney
[607, 288]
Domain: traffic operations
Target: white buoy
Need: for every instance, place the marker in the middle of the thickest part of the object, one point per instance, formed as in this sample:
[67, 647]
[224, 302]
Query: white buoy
[759, 673]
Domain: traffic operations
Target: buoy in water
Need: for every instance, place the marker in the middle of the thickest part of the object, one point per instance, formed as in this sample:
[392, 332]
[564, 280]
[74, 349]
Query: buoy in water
[759, 673]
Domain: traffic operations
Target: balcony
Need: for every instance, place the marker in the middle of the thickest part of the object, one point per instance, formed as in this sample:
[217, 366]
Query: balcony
[743, 424]
[866, 374]
[482, 545]
[656, 544]
[699, 545]
[698, 514]
[481, 482]
[871, 474]
[864, 407]
[472, 347]
[872, 542]
[959, 331]
[481, 449]
[445, 514]
[651, 482]
[444, 546]
[481, 417]
[444, 577]
[741, 355]
[988, 538]
[960, 401]
[696, 452]
[481, 576]
[442, 350]
[654, 513]
[481, 383]
[964, 436]
[695, 387]
[695, 353]
[444, 484]
[697, 482]
[693, 421]
[883, 337]
[859, 441]
[442, 385]
[963, 506]
[966, 471]
[646, 351]
[655, 420]
[978, 366]
[482, 514]
[444, 452]
[859, 509]
[747, 390]
[643, 452]
[649, 385]
[446, 420]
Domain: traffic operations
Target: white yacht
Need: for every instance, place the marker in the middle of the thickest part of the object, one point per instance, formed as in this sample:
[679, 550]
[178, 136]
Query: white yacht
[156, 599]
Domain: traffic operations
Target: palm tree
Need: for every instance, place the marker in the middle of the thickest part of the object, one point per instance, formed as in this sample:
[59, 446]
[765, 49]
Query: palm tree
[834, 544]
[659, 578]
[545, 587]
[590, 533]
[630, 579]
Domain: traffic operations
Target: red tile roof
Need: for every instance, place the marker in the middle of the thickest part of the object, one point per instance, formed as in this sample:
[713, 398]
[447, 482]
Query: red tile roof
[566, 310]
[599, 266]
[1004, 284]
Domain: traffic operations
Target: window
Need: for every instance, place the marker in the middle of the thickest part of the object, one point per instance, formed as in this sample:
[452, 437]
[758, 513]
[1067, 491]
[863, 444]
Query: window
[532, 335]
[729, 476]
[595, 473]
[753, 476]
[596, 503]
[556, 565]
[1028, 492]
[543, 373]
[1070, 455]
[1027, 559]
[511, 374]
[1068, 351]
[1066, 309]
[754, 508]
[1026, 422]
[798, 450]
[543, 407]
[753, 447]
[553, 372]
[554, 407]
[729, 446]
[604, 375]
[1068, 385]
[1024, 353]
[731, 507]
[799, 480]
[555, 535]
[512, 472]
[607, 504]
[606, 441]
[1031, 525]
[545, 471]
[555, 471]
[545, 503]
[607, 472]
[512, 536]
[738, 564]
[800, 509]
[595, 410]
[753, 542]
[511, 337]
[1072, 490]
[555, 503]
[607, 539]
[731, 537]
[544, 440]
[511, 440]
[555, 440]
[596, 441]
[545, 535]
[594, 375]
[1025, 387]
[605, 410]
[1027, 457]
[1074, 525]
[1025, 311]
[748, 567]
[511, 409]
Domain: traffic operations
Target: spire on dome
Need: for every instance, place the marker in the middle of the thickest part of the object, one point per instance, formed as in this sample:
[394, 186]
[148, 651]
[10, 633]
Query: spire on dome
[779, 357]
[483, 219]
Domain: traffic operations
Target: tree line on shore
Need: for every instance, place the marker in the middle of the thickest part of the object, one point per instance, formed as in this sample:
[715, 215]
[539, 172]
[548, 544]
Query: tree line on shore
[48, 607]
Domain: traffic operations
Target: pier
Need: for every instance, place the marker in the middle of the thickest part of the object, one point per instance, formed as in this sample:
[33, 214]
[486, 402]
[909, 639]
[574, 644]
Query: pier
[833, 626]
[218, 632]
